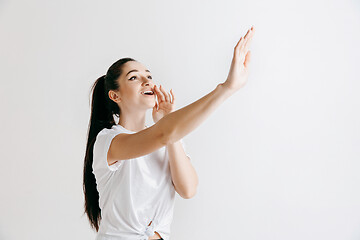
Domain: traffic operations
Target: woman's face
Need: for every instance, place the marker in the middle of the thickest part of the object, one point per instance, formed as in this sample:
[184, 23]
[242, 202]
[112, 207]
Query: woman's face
[134, 81]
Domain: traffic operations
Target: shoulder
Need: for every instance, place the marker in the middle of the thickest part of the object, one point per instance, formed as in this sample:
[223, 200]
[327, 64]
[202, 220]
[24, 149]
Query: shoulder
[101, 148]
[107, 131]
[105, 135]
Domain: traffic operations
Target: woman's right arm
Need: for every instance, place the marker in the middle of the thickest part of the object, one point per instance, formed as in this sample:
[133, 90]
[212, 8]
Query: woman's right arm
[181, 122]
[175, 125]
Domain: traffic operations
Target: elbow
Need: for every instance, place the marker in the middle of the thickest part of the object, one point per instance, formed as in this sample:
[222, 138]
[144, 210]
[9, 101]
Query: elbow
[189, 194]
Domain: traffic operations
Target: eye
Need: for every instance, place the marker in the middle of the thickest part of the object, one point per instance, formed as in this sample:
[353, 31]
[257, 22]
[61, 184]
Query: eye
[135, 77]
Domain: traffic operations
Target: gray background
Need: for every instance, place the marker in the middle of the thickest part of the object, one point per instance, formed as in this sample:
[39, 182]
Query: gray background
[278, 160]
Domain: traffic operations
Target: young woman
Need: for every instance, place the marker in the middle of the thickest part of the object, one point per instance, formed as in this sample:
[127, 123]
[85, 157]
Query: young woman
[131, 171]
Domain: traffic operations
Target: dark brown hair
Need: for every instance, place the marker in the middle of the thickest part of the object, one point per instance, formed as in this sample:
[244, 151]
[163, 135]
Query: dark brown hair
[102, 111]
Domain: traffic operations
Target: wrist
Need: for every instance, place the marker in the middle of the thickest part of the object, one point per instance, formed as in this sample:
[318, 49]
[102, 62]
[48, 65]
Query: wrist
[225, 89]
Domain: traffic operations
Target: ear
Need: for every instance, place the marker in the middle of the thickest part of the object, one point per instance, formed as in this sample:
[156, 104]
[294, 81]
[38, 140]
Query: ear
[114, 96]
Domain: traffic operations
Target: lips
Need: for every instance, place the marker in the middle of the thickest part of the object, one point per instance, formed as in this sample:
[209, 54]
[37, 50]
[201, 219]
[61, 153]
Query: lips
[146, 92]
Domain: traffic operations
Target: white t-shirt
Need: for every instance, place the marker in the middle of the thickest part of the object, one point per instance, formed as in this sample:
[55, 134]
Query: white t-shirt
[133, 192]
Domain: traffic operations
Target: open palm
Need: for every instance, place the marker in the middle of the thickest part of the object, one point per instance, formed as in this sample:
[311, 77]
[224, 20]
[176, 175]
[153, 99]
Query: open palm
[238, 74]
[164, 105]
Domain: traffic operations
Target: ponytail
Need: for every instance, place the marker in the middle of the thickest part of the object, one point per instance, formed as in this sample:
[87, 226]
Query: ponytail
[102, 111]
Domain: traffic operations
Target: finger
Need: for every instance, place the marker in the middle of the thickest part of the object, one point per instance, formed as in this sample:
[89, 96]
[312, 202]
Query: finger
[155, 107]
[247, 59]
[237, 47]
[248, 41]
[164, 94]
[161, 95]
[246, 37]
[173, 97]
[156, 89]
[169, 97]
[247, 45]
[241, 43]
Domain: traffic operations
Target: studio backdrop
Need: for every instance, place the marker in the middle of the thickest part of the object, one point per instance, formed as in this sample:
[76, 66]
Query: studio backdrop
[278, 160]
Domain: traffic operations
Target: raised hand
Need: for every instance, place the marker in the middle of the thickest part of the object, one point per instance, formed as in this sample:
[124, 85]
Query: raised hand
[164, 105]
[239, 71]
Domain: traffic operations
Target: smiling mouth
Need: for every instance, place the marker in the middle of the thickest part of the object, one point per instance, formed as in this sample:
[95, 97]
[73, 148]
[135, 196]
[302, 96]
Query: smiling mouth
[147, 93]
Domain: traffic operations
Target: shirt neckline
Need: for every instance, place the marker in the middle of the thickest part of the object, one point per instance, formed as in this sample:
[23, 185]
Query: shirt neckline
[118, 125]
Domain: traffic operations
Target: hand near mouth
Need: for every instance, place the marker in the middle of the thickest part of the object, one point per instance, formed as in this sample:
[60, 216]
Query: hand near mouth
[164, 104]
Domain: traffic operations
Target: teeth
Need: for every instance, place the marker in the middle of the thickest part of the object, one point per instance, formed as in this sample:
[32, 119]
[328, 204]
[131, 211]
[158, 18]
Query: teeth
[147, 92]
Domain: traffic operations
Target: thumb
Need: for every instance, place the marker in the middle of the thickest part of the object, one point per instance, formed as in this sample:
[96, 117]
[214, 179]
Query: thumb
[155, 107]
[247, 59]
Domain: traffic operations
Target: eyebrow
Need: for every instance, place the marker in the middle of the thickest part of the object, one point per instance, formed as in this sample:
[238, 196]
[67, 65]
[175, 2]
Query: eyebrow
[135, 70]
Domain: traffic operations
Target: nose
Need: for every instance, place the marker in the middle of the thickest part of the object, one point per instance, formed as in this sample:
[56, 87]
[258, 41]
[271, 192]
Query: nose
[147, 82]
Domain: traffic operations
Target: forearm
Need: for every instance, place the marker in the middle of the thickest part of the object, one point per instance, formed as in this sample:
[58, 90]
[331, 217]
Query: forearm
[181, 122]
[183, 173]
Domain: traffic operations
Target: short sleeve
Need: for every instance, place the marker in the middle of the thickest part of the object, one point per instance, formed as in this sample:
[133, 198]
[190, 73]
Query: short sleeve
[101, 148]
